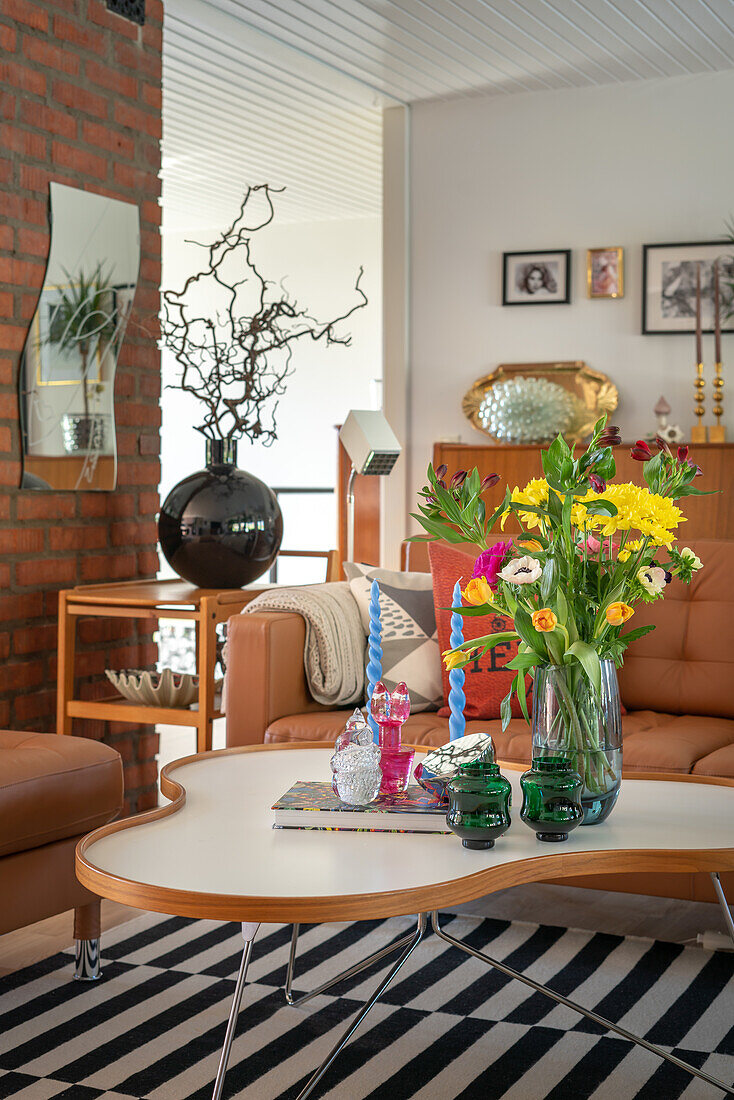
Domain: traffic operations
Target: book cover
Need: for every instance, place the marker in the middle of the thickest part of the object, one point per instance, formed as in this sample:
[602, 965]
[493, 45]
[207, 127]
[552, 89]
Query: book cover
[313, 795]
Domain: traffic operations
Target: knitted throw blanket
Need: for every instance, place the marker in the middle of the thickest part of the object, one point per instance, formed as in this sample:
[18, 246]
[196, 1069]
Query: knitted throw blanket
[334, 654]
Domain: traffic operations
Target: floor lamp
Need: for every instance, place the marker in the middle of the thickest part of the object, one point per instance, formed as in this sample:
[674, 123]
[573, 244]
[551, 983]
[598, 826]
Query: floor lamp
[373, 449]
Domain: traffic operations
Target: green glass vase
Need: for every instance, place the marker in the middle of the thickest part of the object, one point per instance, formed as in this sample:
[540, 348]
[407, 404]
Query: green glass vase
[479, 803]
[551, 798]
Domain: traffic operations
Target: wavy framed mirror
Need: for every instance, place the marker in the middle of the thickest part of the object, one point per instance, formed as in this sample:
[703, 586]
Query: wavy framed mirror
[67, 371]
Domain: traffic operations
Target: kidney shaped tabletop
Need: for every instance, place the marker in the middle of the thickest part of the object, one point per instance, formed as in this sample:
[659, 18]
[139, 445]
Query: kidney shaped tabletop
[214, 853]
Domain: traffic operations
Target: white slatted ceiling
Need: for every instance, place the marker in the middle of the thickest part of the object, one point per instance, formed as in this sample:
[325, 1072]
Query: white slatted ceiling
[291, 91]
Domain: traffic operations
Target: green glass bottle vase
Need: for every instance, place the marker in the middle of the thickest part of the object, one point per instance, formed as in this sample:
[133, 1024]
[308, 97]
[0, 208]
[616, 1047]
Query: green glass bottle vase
[479, 802]
[551, 798]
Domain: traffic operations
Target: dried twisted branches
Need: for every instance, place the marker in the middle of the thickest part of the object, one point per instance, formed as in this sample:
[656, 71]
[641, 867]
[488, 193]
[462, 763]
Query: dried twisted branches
[237, 360]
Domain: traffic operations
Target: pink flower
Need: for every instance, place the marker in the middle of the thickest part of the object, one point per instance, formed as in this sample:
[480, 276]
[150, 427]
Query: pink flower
[590, 544]
[489, 562]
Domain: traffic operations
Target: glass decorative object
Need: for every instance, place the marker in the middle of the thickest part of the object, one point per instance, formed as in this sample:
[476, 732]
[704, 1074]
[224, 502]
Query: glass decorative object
[440, 765]
[551, 798]
[355, 765]
[479, 798]
[389, 712]
[570, 720]
[527, 410]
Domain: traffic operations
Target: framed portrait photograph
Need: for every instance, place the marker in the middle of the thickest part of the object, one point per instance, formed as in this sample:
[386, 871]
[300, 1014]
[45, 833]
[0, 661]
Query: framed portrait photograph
[536, 278]
[669, 286]
[605, 273]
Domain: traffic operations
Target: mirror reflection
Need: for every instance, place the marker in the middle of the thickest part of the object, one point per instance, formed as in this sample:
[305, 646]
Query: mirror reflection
[67, 374]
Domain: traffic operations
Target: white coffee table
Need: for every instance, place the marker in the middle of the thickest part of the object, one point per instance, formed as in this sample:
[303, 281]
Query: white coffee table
[212, 853]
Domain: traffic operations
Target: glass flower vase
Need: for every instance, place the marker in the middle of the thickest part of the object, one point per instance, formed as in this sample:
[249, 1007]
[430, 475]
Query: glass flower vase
[571, 721]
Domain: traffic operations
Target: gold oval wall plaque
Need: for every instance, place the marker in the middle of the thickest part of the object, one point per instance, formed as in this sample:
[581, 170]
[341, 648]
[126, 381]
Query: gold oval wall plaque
[591, 393]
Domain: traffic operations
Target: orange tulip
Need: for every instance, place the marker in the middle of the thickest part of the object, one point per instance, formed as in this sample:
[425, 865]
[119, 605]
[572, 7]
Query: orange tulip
[477, 591]
[452, 658]
[529, 544]
[544, 620]
[618, 613]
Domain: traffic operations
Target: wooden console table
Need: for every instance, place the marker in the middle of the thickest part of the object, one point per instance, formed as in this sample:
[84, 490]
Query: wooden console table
[171, 599]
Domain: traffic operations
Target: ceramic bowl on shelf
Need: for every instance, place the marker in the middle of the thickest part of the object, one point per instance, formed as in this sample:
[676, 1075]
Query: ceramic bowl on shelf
[155, 689]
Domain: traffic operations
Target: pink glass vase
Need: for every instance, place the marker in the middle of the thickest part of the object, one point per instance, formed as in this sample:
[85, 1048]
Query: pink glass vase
[390, 711]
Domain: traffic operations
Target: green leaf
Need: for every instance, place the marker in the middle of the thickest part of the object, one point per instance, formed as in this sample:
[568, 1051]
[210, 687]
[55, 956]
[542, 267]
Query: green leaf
[549, 580]
[506, 708]
[525, 628]
[522, 696]
[600, 507]
[589, 661]
[638, 632]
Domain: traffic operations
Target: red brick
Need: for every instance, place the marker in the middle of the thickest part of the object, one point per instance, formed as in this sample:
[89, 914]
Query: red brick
[80, 160]
[24, 209]
[7, 371]
[148, 503]
[77, 538]
[24, 11]
[21, 272]
[34, 241]
[8, 38]
[25, 142]
[80, 99]
[147, 122]
[6, 170]
[47, 118]
[10, 474]
[148, 563]
[147, 746]
[38, 704]
[4, 646]
[99, 14]
[17, 676]
[70, 30]
[99, 568]
[146, 800]
[53, 57]
[92, 631]
[140, 775]
[139, 415]
[129, 534]
[56, 571]
[26, 540]
[91, 664]
[107, 76]
[6, 303]
[45, 506]
[131, 57]
[12, 337]
[153, 36]
[20, 76]
[152, 95]
[32, 639]
[149, 444]
[6, 237]
[103, 138]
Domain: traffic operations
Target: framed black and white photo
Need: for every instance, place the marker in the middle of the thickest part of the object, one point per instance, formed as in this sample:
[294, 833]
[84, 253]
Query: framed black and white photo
[536, 278]
[669, 286]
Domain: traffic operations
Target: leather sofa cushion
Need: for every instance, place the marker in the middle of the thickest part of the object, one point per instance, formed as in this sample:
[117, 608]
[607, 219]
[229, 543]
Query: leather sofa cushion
[652, 741]
[53, 787]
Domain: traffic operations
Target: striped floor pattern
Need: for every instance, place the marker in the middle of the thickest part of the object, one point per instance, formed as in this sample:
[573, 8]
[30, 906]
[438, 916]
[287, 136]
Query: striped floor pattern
[448, 1029]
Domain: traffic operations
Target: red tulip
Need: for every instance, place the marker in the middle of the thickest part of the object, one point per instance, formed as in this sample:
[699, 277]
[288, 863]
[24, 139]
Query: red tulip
[661, 444]
[682, 454]
[610, 437]
[598, 484]
[489, 481]
[641, 452]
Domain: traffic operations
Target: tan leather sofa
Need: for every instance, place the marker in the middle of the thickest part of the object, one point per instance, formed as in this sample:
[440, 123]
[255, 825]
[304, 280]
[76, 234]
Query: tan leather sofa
[677, 686]
[53, 790]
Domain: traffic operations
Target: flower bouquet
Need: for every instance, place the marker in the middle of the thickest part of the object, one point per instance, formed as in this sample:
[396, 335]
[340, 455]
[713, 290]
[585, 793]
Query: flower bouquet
[588, 552]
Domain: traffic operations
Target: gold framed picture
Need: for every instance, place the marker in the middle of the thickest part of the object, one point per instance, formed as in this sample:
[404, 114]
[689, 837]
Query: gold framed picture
[605, 273]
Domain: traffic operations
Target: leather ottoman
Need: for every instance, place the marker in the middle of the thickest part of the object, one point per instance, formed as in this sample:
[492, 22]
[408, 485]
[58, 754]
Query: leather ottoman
[53, 790]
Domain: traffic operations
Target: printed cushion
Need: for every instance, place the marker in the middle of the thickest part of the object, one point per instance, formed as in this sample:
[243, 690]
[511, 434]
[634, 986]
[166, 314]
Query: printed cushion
[410, 650]
[487, 681]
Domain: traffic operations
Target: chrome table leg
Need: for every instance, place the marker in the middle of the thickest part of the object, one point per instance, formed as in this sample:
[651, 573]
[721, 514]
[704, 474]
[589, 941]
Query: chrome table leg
[356, 969]
[723, 902]
[539, 988]
[86, 961]
[248, 935]
[415, 939]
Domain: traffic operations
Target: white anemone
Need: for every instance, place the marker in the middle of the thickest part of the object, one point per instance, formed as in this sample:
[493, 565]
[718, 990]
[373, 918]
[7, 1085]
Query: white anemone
[521, 571]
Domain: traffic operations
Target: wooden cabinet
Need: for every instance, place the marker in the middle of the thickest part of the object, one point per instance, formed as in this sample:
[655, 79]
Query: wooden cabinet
[708, 517]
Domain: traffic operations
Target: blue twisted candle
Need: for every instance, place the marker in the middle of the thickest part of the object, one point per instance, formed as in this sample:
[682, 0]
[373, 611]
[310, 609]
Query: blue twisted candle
[374, 654]
[457, 698]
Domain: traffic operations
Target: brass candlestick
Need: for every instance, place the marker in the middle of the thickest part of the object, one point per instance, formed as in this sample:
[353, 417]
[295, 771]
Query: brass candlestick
[717, 431]
[698, 431]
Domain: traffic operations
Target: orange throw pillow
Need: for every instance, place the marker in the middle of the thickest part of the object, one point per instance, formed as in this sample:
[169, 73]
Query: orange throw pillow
[487, 680]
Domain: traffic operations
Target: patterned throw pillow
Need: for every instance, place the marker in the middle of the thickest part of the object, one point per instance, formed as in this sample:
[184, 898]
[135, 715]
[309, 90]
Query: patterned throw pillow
[487, 681]
[409, 640]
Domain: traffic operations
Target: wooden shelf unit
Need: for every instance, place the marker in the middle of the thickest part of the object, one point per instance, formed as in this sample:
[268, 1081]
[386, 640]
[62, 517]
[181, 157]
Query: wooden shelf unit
[172, 599]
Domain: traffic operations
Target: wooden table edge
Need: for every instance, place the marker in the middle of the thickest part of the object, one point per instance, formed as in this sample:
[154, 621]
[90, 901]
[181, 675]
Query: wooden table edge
[567, 864]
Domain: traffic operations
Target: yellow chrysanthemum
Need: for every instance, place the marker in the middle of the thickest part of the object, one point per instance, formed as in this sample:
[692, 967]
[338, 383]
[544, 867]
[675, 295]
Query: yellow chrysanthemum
[629, 549]
[535, 493]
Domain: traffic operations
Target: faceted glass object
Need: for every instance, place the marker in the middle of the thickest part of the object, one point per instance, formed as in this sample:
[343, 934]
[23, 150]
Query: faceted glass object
[355, 765]
[480, 799]
[440, 765]
[390, 711]
[571, 720]
[551, 798]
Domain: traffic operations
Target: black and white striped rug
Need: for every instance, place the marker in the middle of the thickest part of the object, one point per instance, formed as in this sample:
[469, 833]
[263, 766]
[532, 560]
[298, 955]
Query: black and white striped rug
[448, 1029]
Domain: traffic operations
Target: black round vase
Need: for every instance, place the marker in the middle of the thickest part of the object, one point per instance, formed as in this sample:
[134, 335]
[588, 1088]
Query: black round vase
[220, 527]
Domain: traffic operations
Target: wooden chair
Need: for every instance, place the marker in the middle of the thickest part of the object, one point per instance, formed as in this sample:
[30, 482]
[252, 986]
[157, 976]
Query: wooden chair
[333, 567]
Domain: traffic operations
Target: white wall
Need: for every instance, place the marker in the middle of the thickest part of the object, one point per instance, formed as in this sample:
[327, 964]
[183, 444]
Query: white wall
[321, 261]
[632, 164]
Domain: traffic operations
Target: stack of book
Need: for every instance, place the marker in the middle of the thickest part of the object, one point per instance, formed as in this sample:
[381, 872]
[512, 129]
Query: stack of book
[313, 805]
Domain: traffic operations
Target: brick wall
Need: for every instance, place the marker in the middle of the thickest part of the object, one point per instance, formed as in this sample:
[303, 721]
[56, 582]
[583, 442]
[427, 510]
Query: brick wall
[80, 104]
